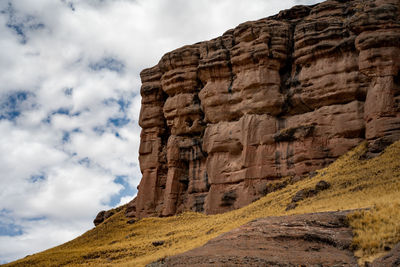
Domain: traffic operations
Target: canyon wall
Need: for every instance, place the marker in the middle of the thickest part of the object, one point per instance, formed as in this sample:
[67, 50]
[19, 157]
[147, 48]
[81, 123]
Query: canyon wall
[278, 97]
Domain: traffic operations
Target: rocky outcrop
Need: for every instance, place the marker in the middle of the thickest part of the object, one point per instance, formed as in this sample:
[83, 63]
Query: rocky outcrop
[319, 239]
[392, 259]
[278, 97]
[307, 193]
[102, 216]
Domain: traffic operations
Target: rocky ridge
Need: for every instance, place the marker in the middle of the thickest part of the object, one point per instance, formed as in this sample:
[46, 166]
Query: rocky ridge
[312, 240]
[283, 96]
[319, 239]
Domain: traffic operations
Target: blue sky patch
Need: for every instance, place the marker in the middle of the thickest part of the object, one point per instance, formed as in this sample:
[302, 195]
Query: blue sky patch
[12, 105]
[108, 63]
[122, 102]
[112, 123]
[7, 225]
[127, 190]
[68, 91]
[21, 25]
[37, 177]
[84, 161]
[35, 219]
[65, 111]
[121, 120]
[69, 4]
[66, 137]
[99, 130]
[10, 229]
[118, 122]
[62, 111]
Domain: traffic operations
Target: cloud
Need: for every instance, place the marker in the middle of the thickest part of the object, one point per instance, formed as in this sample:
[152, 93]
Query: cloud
[69, 104]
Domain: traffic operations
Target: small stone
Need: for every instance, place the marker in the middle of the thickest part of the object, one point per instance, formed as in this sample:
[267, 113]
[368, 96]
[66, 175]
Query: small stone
[300, 195]
[303, 194]
[291, 206]
[99, 218]
[130, 235]
[158, 243]
[322, 185]
[132, 221]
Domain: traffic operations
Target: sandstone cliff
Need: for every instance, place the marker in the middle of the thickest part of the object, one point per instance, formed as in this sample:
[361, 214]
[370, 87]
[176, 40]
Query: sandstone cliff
[278, 97]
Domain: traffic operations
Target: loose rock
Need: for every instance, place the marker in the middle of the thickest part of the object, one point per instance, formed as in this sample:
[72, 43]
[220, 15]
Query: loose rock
[322, 185]
[158, 243]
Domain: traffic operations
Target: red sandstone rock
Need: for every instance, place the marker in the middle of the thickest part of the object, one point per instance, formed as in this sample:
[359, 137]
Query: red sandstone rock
[130, 210]
[319, 239]
[281, 96]
[392, 259]
[102, 216]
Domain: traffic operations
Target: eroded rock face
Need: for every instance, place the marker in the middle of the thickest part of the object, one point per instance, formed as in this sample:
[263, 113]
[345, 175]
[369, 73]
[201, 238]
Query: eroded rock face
[281, 96]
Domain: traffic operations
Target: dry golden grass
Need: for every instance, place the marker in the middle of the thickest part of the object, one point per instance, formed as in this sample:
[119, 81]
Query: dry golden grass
[355, 183]
[376, 231]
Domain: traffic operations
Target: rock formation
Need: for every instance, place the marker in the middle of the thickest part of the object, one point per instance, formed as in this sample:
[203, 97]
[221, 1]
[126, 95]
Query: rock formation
[102, 216]
[320, 239]
[278, 97]
[391, 259]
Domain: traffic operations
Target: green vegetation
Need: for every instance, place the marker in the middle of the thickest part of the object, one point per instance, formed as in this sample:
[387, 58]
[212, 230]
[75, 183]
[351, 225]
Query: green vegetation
[355, 183]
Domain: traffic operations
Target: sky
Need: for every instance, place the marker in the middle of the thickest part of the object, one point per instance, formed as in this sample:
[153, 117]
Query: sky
[70, 101]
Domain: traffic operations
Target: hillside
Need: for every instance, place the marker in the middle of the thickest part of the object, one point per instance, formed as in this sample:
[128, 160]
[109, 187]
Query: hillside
[297, 113]
[356, 182]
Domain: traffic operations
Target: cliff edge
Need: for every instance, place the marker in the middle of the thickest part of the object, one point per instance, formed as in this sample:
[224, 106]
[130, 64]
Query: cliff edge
[224, 120]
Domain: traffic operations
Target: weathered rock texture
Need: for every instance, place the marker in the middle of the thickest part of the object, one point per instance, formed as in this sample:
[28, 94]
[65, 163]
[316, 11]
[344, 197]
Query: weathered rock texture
[320, 239]
[281, 96]
[392, 259]
[102, 216]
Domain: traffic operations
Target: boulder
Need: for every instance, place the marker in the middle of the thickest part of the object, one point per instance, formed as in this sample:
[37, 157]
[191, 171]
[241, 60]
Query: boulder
[102, 216]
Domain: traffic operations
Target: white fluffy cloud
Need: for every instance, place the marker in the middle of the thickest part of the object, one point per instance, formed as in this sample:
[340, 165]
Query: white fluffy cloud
[69, 103]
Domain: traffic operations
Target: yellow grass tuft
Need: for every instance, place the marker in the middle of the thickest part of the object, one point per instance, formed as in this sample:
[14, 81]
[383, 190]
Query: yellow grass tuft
[355, 183]
[375, 231]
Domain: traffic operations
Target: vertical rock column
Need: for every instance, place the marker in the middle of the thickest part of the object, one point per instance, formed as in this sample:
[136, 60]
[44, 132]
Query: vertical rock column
[185, 119]
[152, 150]
[379, 45]
[240, 97]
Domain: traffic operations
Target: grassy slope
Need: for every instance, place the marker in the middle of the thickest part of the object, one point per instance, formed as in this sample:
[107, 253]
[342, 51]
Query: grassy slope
[355, 184]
